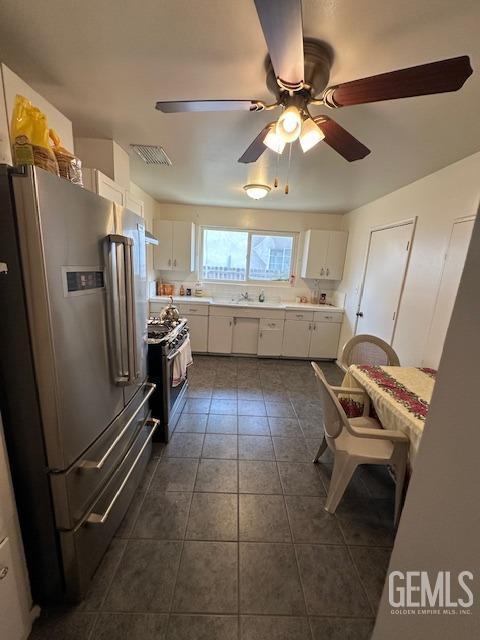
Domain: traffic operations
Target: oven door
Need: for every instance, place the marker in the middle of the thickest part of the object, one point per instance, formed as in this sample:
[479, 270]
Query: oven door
[177, 394]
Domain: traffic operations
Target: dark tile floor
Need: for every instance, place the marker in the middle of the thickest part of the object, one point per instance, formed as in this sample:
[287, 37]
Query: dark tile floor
[227, 537]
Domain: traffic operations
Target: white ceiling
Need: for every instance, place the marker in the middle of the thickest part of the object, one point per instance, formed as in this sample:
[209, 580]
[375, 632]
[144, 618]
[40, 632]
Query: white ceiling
[104, 64]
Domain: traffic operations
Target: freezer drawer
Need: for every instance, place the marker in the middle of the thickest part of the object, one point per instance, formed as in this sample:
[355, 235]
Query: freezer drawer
[84, 547]
[76, 489]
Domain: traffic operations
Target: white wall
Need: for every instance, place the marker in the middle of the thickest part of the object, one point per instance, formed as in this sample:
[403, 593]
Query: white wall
[440, 526]
[256, 219]
[437, 200]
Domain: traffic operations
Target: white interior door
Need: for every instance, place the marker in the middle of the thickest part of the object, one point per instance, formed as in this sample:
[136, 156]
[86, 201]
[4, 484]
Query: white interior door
[384, 275]
[447, 292]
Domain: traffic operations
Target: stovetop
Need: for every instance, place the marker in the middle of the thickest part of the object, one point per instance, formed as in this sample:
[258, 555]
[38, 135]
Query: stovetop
[160, 332]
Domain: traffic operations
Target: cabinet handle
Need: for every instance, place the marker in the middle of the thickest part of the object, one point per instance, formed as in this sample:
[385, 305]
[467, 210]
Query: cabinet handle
[299, 315]
[169, 262]
[328, 271]
[261, 334]
[175, 262]
[314, 327]
[3, 572]
[309, 327]
[230, 323]
[322, 271]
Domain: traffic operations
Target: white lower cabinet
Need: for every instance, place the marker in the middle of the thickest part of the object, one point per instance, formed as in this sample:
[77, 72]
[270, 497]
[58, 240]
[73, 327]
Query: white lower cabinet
[13, 626]
[270, 337]
[198, 327]
[245, 335]
[324, 340]
[220, 334]
[296, 338]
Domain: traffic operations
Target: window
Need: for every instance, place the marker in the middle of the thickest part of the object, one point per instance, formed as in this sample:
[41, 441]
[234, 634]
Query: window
[241, 256]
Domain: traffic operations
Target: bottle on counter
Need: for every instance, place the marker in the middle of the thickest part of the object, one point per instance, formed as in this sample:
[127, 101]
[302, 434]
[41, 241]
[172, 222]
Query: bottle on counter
[159, 288]
[182, 290]
[198, 289]
[261, 297]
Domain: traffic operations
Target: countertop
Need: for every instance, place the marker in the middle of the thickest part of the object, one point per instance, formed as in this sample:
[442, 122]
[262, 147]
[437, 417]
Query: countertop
[220, 302]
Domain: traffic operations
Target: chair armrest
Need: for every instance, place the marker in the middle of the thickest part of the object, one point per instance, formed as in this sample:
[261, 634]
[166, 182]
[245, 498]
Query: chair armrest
[380, 434]
[349, 390]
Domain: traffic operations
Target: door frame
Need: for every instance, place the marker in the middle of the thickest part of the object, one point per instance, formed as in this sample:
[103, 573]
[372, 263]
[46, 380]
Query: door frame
[383, 227]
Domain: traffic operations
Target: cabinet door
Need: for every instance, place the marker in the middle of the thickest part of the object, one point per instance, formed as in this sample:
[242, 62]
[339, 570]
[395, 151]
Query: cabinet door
[13, 625]
[337, 247]
[270, 338]
[162, 254]
[198, 327]
[245, 335]
[220, 331]
[110, 189]
[296, 338]
[324, 342]
[133, 204]
[183, 246]
[315, 253]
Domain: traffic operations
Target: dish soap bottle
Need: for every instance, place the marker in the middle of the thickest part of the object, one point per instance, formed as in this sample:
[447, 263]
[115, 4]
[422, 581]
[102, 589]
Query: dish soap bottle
[182, 290]
[261, 297]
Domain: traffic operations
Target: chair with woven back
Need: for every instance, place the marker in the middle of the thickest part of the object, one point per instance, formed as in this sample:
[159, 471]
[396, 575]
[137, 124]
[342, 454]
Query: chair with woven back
[367, 349]
[356, 441]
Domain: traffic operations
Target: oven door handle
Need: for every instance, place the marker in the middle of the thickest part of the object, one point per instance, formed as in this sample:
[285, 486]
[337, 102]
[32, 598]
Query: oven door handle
[97, 465]
[173, 355]
[101, 518]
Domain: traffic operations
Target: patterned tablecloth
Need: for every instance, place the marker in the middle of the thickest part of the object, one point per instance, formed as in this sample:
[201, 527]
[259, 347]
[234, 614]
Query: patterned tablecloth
[400, 397]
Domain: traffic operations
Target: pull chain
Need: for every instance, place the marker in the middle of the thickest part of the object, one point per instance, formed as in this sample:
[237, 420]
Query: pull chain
[275, 182]
[288, 169]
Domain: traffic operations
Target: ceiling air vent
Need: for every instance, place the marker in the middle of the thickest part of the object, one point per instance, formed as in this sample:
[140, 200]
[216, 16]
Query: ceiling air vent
[151, 154]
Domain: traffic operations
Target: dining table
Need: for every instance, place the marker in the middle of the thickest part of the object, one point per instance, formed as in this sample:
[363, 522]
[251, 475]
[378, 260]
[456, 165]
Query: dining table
[399, 397]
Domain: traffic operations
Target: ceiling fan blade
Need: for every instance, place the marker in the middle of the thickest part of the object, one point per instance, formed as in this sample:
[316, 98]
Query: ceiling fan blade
[181, 106]
[281, 23]
[434, 77]
[340, 140]
[257, 147]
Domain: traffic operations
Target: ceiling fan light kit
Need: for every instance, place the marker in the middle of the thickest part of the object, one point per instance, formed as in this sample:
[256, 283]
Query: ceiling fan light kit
[289, 124]
[273, 141]
[257, 191]
[298, 73]
[311, 134]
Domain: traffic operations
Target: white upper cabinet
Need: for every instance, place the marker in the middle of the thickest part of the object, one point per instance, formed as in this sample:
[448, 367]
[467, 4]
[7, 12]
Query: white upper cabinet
[133, 204]
[176, 245]
[324, 254]
[98, 182]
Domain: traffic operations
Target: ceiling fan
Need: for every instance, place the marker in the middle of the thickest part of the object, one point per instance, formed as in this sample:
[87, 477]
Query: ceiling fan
[298, 72]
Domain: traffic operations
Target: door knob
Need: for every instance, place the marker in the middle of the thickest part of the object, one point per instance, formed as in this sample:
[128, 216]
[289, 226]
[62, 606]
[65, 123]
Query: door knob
[359, 314]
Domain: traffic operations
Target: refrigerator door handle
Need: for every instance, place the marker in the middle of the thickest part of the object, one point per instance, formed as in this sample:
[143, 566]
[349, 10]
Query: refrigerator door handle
[97, 465]
[118, 292]
[101, 518]
[133, 371]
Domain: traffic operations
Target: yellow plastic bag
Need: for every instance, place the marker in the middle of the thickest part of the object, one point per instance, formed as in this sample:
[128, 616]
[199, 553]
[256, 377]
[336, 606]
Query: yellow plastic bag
[30, 137]
[69, 166]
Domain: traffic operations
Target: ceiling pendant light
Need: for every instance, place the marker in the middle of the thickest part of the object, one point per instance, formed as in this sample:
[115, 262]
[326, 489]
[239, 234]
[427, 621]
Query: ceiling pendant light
[274, 142]
[289, 124]
[256, 191]
[311, 134]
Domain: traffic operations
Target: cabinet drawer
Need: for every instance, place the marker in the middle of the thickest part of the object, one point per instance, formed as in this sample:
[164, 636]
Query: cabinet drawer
[328, 316]
[268, 323]
[299, 315]
[193, 309]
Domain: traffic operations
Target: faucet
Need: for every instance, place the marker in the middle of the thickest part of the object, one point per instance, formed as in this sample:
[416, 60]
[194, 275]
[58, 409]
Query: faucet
[244, 296]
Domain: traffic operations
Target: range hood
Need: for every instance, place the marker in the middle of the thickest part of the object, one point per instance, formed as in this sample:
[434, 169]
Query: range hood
[150, 238]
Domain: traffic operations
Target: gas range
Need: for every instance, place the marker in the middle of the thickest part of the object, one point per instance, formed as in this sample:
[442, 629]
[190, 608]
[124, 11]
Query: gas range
[168, 335]
[167, 401]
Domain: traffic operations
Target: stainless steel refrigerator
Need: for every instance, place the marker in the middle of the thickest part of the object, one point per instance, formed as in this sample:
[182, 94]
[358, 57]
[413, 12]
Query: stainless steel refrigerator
[73, 387]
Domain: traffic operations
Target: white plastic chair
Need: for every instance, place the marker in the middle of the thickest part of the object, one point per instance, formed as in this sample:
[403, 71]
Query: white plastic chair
[367, 349]
[356, 441]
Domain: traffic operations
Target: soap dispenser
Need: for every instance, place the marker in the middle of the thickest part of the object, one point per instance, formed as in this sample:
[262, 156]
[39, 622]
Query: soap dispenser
[261, 297]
